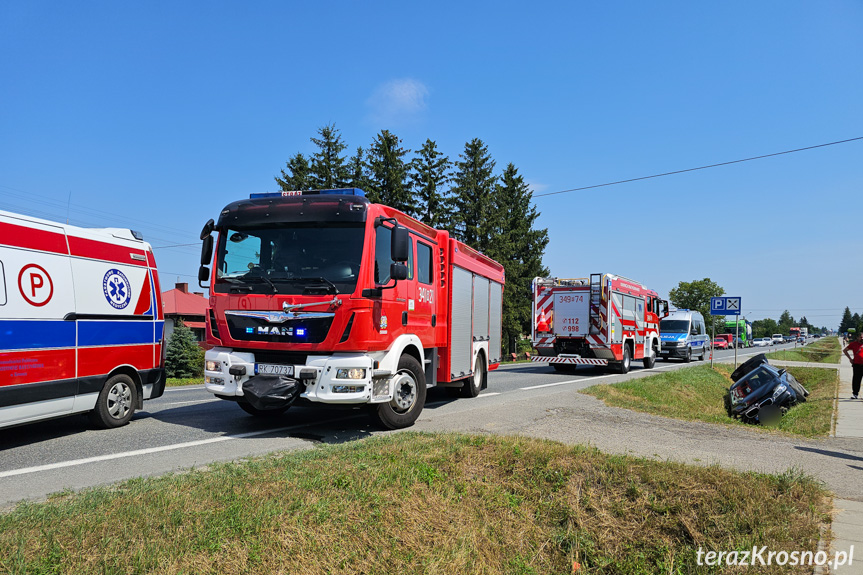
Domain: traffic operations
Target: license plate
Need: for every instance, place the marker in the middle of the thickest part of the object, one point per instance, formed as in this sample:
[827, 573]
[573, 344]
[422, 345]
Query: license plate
[274, 369]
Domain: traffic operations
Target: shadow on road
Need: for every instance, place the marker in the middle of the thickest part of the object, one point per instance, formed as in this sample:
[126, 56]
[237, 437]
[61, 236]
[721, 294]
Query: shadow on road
[837, 454]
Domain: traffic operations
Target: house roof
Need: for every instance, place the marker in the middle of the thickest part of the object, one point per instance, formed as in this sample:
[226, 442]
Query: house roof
[179, 301]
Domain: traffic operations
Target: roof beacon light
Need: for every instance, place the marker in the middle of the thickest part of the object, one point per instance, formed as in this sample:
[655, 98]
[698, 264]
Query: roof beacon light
[287, 194]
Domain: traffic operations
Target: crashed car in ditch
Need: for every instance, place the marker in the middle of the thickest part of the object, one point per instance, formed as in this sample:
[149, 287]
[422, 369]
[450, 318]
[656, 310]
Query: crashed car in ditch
[761, 393]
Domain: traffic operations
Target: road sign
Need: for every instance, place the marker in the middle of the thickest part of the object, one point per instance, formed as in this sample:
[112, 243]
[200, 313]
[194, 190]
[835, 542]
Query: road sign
[725, 306]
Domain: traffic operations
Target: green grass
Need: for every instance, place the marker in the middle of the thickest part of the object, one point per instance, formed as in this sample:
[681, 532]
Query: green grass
[181, 381]
[825, 350]
[414, 503]
[696, 394]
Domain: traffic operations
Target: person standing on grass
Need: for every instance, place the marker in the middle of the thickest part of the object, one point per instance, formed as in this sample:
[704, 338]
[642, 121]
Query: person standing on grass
[855, 346]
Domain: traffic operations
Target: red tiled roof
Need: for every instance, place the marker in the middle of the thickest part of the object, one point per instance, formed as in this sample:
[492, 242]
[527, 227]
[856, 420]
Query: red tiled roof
[176, 302]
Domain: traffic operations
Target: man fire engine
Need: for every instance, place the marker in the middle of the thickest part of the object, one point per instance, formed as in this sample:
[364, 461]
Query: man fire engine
[604, 320]
[322, 296]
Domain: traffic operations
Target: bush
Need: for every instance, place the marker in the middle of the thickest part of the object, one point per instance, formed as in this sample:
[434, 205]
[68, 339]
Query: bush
[184, 357]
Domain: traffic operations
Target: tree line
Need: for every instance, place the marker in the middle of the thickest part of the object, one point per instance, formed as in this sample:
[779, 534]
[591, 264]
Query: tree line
[850, 321]
[488, 210]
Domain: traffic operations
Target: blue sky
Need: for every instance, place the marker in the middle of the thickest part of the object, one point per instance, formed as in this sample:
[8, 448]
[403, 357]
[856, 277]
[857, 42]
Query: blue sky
[155, 115]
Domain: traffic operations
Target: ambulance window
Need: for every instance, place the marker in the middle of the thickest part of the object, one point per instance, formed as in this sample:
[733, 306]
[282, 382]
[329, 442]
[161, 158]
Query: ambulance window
[424, 263]
[383, 241]
[2, 286]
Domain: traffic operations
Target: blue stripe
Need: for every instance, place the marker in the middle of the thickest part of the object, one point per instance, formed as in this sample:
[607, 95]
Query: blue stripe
[20, 334]
[114, 332]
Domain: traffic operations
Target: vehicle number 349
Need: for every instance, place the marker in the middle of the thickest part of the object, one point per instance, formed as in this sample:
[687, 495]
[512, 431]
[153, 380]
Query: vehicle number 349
[426, 295]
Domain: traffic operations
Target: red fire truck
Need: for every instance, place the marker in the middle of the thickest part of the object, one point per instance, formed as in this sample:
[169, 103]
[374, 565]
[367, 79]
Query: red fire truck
[604, 320]
[323, 297]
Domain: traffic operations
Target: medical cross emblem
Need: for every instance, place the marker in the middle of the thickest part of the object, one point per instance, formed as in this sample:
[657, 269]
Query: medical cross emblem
[116, 288]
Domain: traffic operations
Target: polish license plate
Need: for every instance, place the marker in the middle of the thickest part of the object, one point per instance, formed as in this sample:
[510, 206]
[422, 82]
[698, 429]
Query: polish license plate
[273, 369]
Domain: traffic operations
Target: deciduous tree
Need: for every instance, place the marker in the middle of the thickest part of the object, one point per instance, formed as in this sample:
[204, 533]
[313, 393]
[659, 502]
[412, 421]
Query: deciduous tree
[695, 295]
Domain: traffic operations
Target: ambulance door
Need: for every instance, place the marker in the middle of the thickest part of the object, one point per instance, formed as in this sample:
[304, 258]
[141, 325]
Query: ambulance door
[37, 329]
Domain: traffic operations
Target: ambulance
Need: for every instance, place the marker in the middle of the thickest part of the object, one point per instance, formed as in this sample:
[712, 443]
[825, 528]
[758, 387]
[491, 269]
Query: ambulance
[81, 322]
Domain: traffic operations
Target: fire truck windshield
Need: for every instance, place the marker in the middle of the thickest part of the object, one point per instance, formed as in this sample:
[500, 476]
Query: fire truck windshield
[293, 258]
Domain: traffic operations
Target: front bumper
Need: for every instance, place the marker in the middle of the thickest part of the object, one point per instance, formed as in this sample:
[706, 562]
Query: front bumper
[673, 351]
[317, 377]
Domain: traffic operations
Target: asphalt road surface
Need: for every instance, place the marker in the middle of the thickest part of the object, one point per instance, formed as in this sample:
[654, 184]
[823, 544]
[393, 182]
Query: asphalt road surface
[188, 428]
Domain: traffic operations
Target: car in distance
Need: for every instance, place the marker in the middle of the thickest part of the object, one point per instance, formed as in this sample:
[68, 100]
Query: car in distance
[762, 342]
[720, 343]
[778, 339]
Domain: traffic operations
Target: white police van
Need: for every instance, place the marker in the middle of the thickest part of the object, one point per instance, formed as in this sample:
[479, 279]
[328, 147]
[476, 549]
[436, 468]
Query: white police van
[683, 334]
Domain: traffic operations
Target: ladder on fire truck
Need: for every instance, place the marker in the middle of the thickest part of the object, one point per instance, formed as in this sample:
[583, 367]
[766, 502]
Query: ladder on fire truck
[594, 317]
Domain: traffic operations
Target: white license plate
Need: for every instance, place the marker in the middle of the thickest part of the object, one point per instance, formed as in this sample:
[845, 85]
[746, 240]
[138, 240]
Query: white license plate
[274, 369]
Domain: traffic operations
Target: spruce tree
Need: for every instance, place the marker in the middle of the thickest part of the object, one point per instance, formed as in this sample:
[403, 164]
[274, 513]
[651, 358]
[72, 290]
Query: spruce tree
[183, 358]
[388, 173]
[328, 169]
[357, 175]
[430, 172]
[473, 196]
[845, 323]
[297, 176]
[519, 247]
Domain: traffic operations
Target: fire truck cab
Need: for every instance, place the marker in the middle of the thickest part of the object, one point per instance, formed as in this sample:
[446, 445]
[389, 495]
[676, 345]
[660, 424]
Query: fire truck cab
[604, 320]
[323, 297]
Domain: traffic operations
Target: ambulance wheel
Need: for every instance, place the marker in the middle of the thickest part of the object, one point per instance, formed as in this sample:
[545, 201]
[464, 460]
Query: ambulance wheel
[262, 413]
[409, 396]
[473, 386]
[116, 402]
[626, 361]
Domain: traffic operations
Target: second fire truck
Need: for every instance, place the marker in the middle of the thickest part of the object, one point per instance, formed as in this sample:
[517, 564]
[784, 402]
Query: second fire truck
[604, 320]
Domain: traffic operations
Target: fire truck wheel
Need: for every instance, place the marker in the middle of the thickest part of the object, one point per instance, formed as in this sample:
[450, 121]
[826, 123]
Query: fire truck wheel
[650, 360]
[626, 361]
[263, 413]
[116, 402]
[473, 386]
[409, 396]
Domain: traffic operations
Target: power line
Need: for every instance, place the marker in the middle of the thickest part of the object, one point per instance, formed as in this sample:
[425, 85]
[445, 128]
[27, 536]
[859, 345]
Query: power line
[698, 168]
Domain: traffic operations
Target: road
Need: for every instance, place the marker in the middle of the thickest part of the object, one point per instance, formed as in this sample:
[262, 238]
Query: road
[188, 428]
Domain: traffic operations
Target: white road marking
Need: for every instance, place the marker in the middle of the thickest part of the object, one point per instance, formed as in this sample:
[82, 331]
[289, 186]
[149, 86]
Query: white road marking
[195, 401]
[489, 394]
[150, 450]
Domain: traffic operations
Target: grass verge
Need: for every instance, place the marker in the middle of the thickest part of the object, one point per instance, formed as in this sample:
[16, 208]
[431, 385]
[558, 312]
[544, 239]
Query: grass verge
[181, 381]
[419, 503]
[696, 394]
[825, 350]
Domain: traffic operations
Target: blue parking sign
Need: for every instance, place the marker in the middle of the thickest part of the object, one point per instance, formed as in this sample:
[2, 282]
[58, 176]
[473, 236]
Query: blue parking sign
[725, 306]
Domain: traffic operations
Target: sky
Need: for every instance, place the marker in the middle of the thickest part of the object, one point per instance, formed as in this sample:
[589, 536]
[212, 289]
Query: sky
[155, 115]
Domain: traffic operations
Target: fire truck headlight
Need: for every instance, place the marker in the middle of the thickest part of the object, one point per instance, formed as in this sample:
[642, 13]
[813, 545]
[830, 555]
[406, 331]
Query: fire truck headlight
[351, 373]
[212, 366]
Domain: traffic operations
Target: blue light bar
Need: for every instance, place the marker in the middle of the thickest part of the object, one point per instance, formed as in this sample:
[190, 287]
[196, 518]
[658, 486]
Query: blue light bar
[288, 194]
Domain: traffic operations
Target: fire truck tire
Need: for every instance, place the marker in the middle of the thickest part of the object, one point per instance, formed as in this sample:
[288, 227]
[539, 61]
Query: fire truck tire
[650, 360]
[473, 385]
[262, 413]
[409, 396]
[626, 362]
[116, 402]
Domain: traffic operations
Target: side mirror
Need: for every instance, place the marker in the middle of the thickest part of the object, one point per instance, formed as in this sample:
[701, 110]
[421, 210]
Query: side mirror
[398, 271]
[207, 250]
[400, 245]
[203, 275]
[208, 228]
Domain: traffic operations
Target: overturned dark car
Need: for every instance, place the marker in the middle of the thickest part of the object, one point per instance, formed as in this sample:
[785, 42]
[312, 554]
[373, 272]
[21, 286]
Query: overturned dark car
[762, 394]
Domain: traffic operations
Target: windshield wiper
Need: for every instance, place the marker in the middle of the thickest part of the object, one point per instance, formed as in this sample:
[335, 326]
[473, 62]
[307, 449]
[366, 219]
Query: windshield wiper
[263, 278]
[321, 280]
